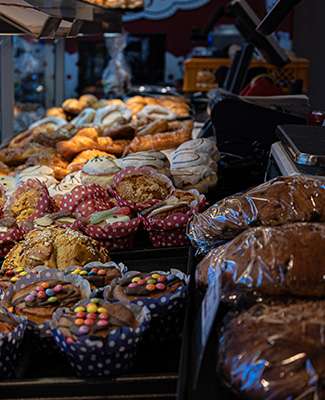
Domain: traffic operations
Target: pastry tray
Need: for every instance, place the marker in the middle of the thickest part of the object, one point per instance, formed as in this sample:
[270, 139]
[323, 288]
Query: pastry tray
[154, 376]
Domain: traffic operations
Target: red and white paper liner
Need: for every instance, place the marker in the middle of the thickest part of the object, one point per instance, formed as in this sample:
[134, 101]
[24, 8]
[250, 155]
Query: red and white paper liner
[10, 344]
[41, 333]
[3, 199]
[85, 200]
[112, 233]
[8, 239]
[97, 357]
[44, 203]
[169, 231]
[131, 171]
[200, 202]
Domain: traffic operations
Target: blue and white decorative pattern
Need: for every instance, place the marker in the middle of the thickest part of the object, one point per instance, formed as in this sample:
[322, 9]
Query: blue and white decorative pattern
[159, 9]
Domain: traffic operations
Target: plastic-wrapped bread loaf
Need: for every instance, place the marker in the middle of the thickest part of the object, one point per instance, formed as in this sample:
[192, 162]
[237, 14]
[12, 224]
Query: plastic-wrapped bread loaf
[274, 261]
[280, 201]
[275, 352]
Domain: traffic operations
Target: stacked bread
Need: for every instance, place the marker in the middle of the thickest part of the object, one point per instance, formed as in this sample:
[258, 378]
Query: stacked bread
[272, 263]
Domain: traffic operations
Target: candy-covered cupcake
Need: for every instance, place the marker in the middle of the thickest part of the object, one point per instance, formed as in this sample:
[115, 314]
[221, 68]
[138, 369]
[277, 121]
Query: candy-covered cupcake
[164, 293]
[100, 338]
[12, 329]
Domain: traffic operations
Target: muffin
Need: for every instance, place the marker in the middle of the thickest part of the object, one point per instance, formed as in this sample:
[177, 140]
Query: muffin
[54, 247]
[164, 293]
[29, 201]
[100, 170]
[140, 188]
[100, 338]
[12, 329]
[67, 184]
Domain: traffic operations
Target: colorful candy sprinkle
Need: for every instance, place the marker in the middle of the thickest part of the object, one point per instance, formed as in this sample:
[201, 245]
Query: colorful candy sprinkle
[162, 278]
[160, 286]
[41, 294]
[151, 288]
[83, 330]
[30, 298]
[90, 322]
[52, 299]
[103, 316]
[79, 321]
[49, 292]
[102, 310]
[155, 276]
[79, 309]
[70, 340]
[83, 273]
[76, 271]
[151, 281]
[81, 314]
[23, 273]
[45, 285]
[91, 308]
[95, 301]
[10, 273]
[91, 273]
[101, 272]
[132, 285]
[14, 279]
[91, 316]
[141, 282]
[102, 323]
[19, 269]
[136, 279]
[95, 270]
[58, 289]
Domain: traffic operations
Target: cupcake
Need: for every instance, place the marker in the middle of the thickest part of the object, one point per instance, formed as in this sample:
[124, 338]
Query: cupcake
[153, 159]
[42, 173]
[38, 295]
[12, 329]
[116, 227]
[29, 201]
[140, 188]
[164, 293]
[98, 274]
[167, 221]
[100, 338]
[54, 247]
[67, 184]
[100, 170]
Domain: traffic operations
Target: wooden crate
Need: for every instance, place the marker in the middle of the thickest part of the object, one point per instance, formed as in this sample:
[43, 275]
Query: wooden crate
[195, 68]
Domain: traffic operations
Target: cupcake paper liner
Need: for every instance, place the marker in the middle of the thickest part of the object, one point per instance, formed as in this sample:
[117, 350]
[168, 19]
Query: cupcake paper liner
[85, 200]
[167, 311]
[41, 333]
[95, 357]
[110, 234]
[10, 347]
[136, 171]
[44, 204]
[8, 239]
[98, 292]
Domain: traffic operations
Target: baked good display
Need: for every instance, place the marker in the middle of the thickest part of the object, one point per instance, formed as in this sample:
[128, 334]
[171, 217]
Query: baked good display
[50, 158]
[153, 159]
[100, 170]
[107, 335]
[280, 201]
[139, 188]
[12, 330]
[29, 201]
[54, 247]
[271, 261]
[81, 159]
[68, 183]
[275, 352]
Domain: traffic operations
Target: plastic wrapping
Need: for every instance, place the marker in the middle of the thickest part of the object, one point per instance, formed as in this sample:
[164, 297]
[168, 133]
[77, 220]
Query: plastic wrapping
[276, 261]
[275, 352]
[117, 75]
[277, 202]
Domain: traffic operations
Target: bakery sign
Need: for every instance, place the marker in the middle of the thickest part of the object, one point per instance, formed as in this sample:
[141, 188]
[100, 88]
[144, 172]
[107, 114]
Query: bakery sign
[159, 9]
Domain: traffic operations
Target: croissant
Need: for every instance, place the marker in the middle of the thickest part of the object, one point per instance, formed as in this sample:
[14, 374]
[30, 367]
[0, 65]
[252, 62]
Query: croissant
[70, 148]
[116, 147]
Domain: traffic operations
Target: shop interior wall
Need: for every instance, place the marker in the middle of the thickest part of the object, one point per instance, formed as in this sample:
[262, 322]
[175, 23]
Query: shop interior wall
[309, 36]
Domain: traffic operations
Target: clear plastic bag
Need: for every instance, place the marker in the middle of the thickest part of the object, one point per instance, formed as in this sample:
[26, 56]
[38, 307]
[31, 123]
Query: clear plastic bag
[275, 352]
[117, 75]
[280, 201]
[270, 261]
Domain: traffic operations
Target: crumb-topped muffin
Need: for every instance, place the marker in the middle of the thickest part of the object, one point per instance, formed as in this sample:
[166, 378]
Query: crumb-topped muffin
[54, 247]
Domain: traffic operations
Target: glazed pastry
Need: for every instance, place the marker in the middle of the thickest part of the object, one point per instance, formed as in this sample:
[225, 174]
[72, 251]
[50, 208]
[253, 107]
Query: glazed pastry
[109, 115]
[42, 173]
[81, 159]
[177, 134]
[153, 159]
[142, 185]
[70, 148]
[280, 201]
[283, 344]
[73, 106]
[100, 170]
[54, 248]
[57, 112]
[135, 286]
[39, 300]
[98, 275]
[85, 117]
[156, 112]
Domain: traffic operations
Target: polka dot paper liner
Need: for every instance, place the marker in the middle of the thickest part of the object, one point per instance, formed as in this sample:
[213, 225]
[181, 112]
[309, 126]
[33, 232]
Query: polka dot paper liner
[118, 230]
[98, 357]
[85, 200]
[44, 204]
[130, 171]
[40, 334]
[8, 239]
[10, 346]
[125, 243]
[167, 311]
[169, 231]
